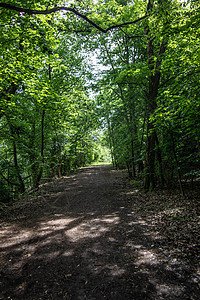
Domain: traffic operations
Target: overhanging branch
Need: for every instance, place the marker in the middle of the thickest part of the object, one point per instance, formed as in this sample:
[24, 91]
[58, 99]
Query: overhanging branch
[70, 9]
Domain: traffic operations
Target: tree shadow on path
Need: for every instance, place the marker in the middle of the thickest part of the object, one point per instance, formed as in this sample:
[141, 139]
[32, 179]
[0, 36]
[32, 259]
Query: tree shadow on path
[88, 243]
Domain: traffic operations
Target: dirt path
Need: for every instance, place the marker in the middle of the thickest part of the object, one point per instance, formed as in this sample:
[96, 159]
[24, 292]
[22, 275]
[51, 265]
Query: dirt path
[83, 237]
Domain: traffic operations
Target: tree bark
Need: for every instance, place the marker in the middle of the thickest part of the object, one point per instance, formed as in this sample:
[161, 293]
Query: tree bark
[154, 81]
[177, 165]
[21, 184]
[159, 156]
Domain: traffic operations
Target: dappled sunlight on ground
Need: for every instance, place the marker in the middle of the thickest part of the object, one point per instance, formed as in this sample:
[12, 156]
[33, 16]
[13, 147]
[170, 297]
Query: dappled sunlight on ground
[146, 257]
[94, 228]
[86, 247]
[56, 223]
[12, 239]
[57, 238]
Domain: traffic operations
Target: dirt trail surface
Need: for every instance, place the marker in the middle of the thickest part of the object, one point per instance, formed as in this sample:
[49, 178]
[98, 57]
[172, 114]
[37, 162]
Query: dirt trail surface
[91, 236]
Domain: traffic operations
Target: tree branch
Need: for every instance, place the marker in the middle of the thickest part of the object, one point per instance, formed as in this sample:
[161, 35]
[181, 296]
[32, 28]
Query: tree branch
[70, 9]
[8, 181]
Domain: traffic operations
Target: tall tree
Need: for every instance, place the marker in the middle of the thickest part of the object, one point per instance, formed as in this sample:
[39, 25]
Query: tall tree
[152, 25]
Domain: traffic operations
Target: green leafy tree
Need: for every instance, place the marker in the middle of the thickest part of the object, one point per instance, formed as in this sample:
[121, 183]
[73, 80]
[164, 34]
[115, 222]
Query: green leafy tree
[145, 46]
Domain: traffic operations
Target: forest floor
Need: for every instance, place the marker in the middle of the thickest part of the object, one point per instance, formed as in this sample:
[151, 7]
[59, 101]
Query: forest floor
[94, 236]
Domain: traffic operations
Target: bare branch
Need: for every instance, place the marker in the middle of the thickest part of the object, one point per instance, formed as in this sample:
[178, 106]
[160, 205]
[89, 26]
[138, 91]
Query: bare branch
[70, 9]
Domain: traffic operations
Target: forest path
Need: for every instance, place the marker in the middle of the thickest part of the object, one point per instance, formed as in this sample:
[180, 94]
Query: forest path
[85, 239]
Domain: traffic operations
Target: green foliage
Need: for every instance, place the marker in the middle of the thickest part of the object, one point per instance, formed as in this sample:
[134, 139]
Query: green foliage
[146, 90]
[47, 119]
[5, 193]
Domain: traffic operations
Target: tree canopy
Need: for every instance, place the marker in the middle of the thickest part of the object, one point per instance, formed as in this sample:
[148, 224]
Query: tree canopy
[59, 111]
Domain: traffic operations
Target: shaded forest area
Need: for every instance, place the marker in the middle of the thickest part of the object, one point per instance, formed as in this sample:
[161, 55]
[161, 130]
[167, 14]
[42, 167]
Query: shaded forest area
[80, 77]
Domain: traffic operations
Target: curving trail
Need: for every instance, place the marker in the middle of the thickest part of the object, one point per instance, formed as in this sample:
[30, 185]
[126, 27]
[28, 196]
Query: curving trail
[84, 239]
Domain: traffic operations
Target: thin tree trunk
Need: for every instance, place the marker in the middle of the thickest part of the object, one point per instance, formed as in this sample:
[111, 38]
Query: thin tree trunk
[177, 164]
[159, 156]
[21, 182]
[39, 174]
[60, 156]
[132, 158]
[154, 80]
[149, 179]
[42, 148]
[37, 167]
[110, 141]
[198, 143]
